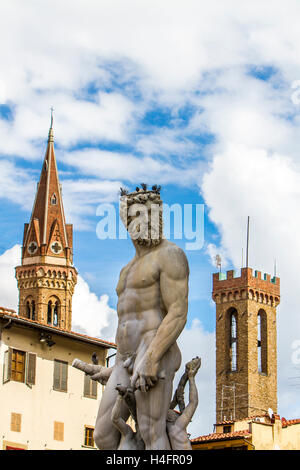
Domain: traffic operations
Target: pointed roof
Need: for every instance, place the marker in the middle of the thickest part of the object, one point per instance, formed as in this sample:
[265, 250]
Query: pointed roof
[47, 223]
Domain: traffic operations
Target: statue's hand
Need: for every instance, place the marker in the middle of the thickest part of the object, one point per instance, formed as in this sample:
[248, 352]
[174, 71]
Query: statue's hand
[101, 376]
[193, 366]
[145, 375]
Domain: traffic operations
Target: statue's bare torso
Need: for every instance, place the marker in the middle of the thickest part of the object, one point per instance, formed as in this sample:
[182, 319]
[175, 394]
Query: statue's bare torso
[140, 309]
[152, 309]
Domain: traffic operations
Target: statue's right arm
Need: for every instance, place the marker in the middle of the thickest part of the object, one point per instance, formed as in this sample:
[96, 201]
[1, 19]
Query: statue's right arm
[96, 372]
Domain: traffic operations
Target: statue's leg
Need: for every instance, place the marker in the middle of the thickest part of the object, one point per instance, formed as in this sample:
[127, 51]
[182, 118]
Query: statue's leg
[153, 405]
[106, 435]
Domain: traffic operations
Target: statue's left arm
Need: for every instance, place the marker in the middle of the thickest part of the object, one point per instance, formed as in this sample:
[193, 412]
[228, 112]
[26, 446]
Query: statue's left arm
[174, 294]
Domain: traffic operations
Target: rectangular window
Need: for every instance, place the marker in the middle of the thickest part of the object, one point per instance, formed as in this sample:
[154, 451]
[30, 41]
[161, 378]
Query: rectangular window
[226, 429]
[60, 376]
[15, 422]
[89, 436]
[18, 365]
[58, 431]
[90, 387]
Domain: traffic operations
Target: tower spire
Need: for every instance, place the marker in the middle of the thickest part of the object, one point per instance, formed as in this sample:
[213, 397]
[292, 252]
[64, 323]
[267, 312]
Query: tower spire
[47, 250]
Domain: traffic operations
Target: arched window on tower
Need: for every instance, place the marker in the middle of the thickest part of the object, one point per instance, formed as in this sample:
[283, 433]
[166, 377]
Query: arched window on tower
[33, 310]
[262, 339]
[49, 313]
[233, 340]
[28, 309]
[53, 312]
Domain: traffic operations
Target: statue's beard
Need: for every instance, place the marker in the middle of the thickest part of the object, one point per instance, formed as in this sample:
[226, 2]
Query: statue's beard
[151, 239]
[148, 242]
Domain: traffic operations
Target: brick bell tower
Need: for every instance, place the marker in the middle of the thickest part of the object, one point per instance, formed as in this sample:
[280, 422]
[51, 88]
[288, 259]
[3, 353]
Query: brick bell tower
[246, 349]
[47, 277]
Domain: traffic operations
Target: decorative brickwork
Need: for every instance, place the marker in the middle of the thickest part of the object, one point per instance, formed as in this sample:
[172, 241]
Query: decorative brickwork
[247, 385]
[47, 277]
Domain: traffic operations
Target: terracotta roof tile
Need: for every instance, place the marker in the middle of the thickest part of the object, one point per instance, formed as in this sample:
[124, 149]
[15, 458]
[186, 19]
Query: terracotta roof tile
[289, 422]
[9, 310]
[231, 421]
[221, 436]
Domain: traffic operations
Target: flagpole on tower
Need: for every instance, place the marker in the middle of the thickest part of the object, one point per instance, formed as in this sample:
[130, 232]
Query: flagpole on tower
[247, 249]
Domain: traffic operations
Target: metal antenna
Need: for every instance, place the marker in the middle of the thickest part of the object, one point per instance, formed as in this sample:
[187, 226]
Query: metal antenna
[247, 252]
[242, 257]
[275, 267]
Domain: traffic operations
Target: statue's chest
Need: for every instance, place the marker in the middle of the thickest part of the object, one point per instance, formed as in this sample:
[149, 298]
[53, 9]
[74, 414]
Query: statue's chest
[141, 273]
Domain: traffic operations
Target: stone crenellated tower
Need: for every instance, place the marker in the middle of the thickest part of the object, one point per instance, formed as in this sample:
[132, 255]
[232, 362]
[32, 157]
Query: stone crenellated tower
[246, 343]
[47, 277]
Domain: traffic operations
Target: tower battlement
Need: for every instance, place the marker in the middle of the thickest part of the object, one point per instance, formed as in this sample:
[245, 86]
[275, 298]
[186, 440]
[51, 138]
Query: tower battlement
[249, 285]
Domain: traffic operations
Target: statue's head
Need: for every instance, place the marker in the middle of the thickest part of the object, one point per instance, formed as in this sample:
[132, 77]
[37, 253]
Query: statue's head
[141, 213]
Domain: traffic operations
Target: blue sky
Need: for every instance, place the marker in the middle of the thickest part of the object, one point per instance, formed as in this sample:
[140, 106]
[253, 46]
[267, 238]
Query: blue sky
[200, 97]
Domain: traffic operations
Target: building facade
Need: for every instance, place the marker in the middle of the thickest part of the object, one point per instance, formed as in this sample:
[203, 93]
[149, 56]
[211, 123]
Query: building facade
[45, 402]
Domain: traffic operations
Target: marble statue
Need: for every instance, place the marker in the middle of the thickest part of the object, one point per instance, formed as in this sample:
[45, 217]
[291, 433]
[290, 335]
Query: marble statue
[152, 311]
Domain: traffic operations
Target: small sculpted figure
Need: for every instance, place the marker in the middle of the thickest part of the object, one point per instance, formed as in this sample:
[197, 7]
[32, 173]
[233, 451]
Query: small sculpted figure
[152, 310]
[130, 440]
[178, 422]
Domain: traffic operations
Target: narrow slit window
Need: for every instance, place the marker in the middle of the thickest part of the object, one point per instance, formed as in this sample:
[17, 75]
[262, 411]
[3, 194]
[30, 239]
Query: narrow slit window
[262, 342]
[233, 343]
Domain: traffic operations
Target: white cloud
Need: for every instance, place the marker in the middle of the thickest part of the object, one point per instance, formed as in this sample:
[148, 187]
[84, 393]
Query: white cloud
[128, 167]
[16, 184]
[92, 315]
[8, 286]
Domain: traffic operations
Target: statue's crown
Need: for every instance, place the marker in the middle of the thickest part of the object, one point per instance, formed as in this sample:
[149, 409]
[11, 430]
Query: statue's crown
[142, 190]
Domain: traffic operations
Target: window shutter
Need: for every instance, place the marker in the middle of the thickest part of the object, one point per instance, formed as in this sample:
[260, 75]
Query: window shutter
[86, 388]
[15, 422]
[58, 431]
[56, 375]
[94, 388]
[7, 365]
[64, 376]
[30, 368]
